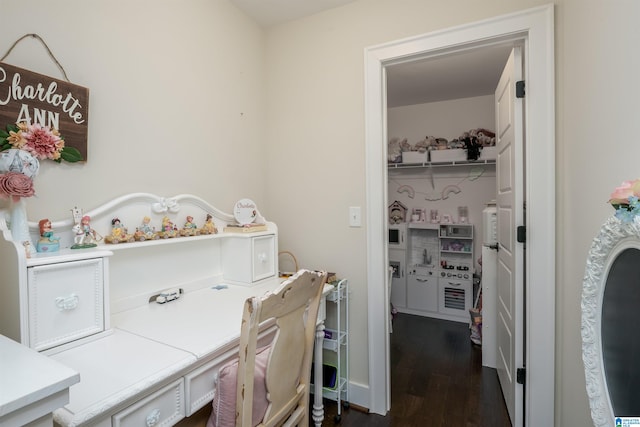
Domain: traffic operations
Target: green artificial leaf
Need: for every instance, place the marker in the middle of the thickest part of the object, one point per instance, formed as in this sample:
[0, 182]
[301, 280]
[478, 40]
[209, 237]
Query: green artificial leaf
[4, 134]
[12, 128]
[70, 154]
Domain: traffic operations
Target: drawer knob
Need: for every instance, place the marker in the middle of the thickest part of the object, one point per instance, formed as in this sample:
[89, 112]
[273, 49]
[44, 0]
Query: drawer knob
[153, 418]
[67, 303]
[262, 257]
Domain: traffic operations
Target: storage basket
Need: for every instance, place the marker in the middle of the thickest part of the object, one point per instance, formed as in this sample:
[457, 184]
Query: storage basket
[292, 258]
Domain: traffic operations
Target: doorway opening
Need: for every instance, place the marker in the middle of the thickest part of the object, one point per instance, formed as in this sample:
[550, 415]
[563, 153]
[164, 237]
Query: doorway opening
[439, 269]
[534, 28]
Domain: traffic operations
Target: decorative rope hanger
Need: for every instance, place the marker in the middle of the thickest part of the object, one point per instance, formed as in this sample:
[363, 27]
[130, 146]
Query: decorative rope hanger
[35, 36]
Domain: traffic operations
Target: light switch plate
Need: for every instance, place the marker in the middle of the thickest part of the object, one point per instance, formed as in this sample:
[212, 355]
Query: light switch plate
[355, 216]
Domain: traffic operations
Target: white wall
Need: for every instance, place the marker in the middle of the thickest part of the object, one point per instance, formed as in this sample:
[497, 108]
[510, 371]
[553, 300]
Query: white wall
[176, 98]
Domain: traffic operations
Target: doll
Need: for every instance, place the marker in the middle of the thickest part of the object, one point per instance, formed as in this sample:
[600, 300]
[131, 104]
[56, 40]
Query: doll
[48, 242]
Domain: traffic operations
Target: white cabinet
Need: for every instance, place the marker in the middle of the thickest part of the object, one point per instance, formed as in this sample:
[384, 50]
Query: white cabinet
[249, 259]
[57, 300]
[456, 276]
[456, 250]
[422, 262]
[422, 292]
[455, 297]
[434, 275]
[398, 236]
[66, 302]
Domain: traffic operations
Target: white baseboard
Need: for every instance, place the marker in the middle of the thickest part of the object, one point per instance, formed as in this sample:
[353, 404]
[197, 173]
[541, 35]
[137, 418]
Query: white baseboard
[359, 395]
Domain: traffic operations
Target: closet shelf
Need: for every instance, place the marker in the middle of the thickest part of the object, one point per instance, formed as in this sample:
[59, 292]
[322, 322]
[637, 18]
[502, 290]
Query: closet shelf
[440, 164]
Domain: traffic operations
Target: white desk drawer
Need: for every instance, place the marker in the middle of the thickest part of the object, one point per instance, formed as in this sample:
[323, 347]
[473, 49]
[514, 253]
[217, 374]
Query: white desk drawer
[163, 408]
[249, 259]
[66, 302]
[200, 384]
[263, 257]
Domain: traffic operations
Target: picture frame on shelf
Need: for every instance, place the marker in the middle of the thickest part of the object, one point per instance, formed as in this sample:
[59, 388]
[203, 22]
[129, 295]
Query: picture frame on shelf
[418, 215]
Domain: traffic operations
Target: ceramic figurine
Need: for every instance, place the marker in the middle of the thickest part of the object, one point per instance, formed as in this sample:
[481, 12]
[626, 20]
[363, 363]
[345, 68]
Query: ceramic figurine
[145, 231]
[118, 233]
[209, 227]
[85, 236]
[48, 241]
[27, 245]
[189, 228]
[168, 229]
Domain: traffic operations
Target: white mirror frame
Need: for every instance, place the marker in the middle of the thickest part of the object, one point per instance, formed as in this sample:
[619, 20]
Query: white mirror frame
[614, 237]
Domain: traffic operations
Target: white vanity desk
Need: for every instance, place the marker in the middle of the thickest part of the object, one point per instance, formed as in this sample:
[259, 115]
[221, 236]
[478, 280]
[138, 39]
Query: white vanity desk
[32, 385]
[140, 363]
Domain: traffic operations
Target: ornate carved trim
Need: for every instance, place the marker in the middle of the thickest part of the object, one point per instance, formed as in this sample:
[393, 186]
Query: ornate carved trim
[614, 236]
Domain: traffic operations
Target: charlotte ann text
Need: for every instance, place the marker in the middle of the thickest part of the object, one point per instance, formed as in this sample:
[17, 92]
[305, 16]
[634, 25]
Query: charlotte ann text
[47, 94]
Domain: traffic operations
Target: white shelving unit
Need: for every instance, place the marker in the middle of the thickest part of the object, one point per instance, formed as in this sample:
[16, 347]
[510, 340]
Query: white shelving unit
[336, 345]
[480, 162]
[456, 270]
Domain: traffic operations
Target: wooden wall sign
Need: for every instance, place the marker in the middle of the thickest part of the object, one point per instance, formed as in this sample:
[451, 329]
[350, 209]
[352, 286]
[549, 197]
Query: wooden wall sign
[30, 97]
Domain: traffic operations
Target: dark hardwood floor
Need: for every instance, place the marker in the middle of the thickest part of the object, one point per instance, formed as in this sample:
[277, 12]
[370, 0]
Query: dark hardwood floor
[437, 380]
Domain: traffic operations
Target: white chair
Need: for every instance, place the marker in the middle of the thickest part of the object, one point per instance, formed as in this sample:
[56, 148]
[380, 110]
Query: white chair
[273, 382]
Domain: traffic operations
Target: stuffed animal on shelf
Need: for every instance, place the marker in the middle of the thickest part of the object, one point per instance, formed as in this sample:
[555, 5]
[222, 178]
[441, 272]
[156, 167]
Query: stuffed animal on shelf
[395, 148]
[486, 138]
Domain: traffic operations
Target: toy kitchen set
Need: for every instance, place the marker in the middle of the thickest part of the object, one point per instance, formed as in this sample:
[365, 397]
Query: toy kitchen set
[433, 266]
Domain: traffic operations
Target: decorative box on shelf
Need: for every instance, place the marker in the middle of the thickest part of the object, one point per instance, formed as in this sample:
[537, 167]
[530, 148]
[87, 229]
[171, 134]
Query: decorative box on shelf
[415, 157]
[450, 155]
[489, 153]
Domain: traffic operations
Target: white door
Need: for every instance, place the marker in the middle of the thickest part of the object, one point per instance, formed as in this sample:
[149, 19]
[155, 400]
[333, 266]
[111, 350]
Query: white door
[510, 208]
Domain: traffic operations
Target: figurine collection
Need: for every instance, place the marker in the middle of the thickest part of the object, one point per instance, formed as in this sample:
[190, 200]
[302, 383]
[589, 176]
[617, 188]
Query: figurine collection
[86, 237]
[145, 231]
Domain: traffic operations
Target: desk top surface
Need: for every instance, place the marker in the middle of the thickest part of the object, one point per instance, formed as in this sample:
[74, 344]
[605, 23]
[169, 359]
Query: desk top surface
[199, 322]
[28, 376]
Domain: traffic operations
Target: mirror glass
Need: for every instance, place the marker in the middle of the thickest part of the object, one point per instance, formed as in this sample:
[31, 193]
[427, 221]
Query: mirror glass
[620, 337]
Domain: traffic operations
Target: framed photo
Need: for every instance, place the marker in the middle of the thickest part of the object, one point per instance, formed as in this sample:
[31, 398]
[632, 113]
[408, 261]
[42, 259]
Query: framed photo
[418, 215]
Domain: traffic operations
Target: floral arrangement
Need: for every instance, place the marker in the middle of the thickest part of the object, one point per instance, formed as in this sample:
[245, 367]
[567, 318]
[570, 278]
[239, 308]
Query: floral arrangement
[30, 143]
[41, 141]
[624, 200]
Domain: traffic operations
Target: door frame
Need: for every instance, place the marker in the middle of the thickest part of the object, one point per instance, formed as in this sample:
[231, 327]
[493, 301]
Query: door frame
[535, 28]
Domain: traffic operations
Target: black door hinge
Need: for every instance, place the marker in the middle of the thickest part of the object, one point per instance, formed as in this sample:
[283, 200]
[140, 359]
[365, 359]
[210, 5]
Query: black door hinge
[521, 374]
[520, 89]
[521, 234]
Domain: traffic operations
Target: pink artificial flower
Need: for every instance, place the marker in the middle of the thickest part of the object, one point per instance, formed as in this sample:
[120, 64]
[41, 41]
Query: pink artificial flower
[42, 142]
[621, 194]
[16, 185]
